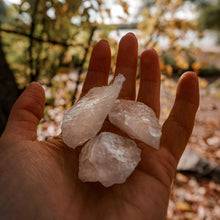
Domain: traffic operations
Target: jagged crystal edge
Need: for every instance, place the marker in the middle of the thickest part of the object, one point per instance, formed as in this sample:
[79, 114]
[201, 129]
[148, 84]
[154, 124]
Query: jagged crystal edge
[108, 158]
[137, 120]
[85, 119]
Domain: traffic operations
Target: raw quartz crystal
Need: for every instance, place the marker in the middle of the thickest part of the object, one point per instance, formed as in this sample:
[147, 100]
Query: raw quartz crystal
[108, 158]
[137, 120]
[84, 120]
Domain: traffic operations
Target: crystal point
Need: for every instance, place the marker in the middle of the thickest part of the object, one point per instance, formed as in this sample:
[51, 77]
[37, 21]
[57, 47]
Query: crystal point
[108, 158]
[137, 120]
[84, 120]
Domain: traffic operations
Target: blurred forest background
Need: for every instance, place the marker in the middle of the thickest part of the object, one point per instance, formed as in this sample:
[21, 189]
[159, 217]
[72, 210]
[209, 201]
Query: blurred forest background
[50, 41]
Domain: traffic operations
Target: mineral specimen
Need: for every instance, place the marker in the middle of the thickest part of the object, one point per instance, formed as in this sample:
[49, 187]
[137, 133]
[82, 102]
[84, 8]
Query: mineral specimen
[108, 158]
[137, 120]
[84, 120]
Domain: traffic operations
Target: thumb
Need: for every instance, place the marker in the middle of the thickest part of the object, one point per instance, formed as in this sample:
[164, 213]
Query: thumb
[26, 113]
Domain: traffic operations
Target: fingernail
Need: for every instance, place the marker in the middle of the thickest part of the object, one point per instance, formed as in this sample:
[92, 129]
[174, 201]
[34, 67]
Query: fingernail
[132, 34]
[103, 41]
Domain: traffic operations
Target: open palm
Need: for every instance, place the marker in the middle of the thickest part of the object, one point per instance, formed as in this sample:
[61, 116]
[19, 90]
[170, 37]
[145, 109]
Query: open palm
[39, 180]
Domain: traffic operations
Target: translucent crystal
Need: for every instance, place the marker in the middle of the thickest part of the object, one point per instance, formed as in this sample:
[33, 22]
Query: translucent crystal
[137, 120]
[84, 120]
[108, 158]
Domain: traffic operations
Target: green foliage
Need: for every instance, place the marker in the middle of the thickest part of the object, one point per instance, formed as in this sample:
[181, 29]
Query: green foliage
[42, 35]
[2, 10]
[210, 16]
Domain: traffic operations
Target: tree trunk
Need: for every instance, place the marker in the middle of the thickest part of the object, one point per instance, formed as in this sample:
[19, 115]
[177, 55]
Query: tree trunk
[8, 89]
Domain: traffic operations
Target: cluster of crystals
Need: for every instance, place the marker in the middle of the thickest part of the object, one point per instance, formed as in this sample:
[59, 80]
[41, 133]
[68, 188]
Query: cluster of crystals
[108, 157]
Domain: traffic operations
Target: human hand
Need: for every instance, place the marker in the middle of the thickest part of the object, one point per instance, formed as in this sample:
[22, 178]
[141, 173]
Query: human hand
[39, 179]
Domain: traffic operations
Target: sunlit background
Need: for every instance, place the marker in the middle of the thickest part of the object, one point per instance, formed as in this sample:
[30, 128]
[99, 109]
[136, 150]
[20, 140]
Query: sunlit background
[50, 41]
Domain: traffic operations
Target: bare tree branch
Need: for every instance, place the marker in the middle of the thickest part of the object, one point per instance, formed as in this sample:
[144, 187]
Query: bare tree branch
[42, 40]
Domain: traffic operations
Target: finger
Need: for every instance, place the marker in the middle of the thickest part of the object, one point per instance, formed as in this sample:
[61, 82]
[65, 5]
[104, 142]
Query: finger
[149, 91]
[99, 67]
[26, 113]
[178, 127]
[127, 65]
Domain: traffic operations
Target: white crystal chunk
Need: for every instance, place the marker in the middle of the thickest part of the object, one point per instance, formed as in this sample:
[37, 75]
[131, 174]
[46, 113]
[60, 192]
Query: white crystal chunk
[84, 120]
[137, 120]
[108, 158]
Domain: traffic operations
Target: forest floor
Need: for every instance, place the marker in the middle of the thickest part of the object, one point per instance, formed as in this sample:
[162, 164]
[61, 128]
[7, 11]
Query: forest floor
[194, 195]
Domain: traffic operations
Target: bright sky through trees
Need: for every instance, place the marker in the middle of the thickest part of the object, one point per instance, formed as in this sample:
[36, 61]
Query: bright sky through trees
[185, 12]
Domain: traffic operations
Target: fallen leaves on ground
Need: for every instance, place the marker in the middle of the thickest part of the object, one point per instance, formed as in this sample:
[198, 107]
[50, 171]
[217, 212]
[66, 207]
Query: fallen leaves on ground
[193, 196]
